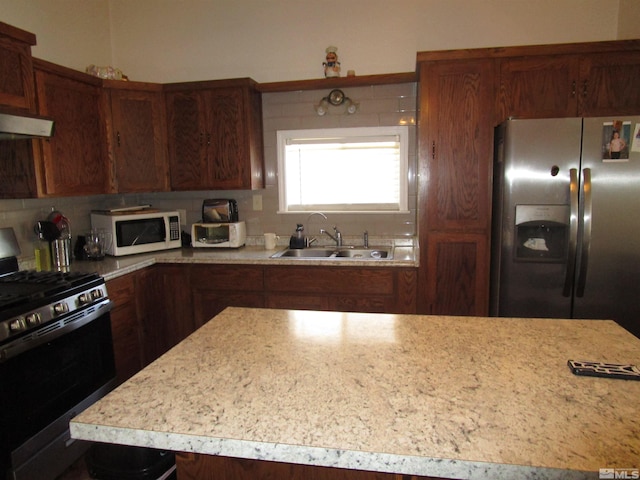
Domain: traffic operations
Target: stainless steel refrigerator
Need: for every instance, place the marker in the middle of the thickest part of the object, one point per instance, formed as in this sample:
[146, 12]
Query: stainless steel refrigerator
[566, 219]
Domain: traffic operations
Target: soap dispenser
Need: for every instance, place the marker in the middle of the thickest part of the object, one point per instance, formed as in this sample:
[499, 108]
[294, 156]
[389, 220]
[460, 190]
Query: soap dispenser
[297, 240]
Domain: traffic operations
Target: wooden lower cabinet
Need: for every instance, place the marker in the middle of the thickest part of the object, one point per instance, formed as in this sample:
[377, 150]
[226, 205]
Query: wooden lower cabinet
[152, 312]
[165, 309]
[456, 282]
[159, 306]
[207, 467]
[216, 287]
[349, 289]
[125, 326]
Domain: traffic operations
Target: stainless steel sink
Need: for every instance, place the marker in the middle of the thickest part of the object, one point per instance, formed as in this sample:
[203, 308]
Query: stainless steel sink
[333, 253]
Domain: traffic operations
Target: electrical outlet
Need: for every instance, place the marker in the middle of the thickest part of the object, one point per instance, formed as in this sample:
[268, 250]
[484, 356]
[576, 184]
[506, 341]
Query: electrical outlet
[257, 203]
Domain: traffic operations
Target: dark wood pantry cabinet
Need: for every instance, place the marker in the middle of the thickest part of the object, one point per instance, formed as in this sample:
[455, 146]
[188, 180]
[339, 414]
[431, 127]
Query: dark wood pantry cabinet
[215, 135]
[463, 95]
[455, 144]
[137, 138]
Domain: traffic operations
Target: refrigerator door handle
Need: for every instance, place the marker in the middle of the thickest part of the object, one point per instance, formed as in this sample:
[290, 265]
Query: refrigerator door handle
[586, 231]
[573, 232]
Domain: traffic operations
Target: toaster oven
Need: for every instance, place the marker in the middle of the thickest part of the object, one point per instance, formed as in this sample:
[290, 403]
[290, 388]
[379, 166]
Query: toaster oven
[218, 235]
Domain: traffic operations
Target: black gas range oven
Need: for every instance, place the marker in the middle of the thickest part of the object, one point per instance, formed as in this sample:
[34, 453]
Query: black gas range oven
[56, 359]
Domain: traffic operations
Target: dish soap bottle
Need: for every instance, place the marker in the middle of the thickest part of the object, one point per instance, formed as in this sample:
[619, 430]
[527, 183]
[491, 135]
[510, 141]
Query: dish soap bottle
[297, 240]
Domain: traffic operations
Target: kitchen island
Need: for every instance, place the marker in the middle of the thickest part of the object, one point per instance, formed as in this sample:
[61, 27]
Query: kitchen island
[433, 396]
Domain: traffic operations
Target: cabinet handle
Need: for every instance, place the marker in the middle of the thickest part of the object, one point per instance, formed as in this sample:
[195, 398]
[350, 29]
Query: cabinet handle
[208, 139]
[573, 88]
[585, 86]
[118, 138]
[433, 150]
[201, 138]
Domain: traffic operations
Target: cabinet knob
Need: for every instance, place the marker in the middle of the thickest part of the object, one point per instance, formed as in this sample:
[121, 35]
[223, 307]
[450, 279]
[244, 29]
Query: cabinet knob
[118, 138]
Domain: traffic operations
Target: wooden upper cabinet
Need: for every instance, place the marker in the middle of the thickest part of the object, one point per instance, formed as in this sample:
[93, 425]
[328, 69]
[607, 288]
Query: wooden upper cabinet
[590, 80]
[73, 160]
[215, 135]
[16, 68]
[610, 84]
[188, 152]
[136, 130]
[538, 87]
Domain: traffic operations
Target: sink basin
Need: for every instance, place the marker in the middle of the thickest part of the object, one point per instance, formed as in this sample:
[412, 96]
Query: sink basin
[305, 253]
[333, 253]
[365, 253]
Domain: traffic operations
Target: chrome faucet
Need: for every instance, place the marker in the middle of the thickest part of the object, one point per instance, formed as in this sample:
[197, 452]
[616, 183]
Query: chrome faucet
[337, 238]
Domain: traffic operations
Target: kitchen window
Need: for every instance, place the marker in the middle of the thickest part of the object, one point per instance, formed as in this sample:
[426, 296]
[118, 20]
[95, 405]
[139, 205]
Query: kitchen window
[343, 170]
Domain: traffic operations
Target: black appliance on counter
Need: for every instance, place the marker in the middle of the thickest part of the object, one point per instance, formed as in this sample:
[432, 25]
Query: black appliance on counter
[56, 359]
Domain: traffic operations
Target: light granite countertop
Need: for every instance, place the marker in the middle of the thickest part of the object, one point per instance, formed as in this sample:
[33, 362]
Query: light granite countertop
[112, 267]
[454, 397]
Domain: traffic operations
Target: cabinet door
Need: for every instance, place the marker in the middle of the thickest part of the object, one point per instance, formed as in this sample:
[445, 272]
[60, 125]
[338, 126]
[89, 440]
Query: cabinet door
[456, 148]
[538, 87]
[165, 308]
[188, 140]
[125, 326]
[215, 287]
[138, 141]
[74, 159]
[456, 144]
[228, 139]
[610, 84]
[457, 278]
[17, 169]
[16, 85]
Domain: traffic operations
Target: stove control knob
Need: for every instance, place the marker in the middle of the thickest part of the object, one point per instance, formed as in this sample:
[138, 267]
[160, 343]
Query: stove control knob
[96, 294]
[33, 319]
[85, 298]
[60, 308]
[17, 324]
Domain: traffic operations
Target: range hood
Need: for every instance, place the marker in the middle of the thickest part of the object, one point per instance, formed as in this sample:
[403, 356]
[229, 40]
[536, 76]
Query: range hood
[17, 126]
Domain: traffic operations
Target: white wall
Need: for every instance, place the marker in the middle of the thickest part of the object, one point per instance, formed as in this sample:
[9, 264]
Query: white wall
[277, 40]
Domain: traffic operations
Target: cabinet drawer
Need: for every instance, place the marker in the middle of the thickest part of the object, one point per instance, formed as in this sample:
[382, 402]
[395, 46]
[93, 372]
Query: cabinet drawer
[227, 277]
[329, 280]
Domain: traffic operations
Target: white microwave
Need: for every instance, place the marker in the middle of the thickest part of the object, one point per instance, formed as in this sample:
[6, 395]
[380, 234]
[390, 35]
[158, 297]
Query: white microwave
[139, 231]
[218, 235]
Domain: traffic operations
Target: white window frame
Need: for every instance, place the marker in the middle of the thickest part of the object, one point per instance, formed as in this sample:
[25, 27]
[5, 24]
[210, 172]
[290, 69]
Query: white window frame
[343, 135]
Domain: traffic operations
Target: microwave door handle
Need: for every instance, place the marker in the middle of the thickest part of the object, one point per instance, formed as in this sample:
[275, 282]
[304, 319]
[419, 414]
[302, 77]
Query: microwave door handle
[573, 232]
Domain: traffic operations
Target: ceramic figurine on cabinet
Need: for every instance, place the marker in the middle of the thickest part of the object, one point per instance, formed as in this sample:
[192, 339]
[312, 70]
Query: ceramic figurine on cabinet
[332, 65]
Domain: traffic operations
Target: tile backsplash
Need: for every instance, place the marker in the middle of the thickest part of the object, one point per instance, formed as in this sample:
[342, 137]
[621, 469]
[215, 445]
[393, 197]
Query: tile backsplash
[378, 105]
